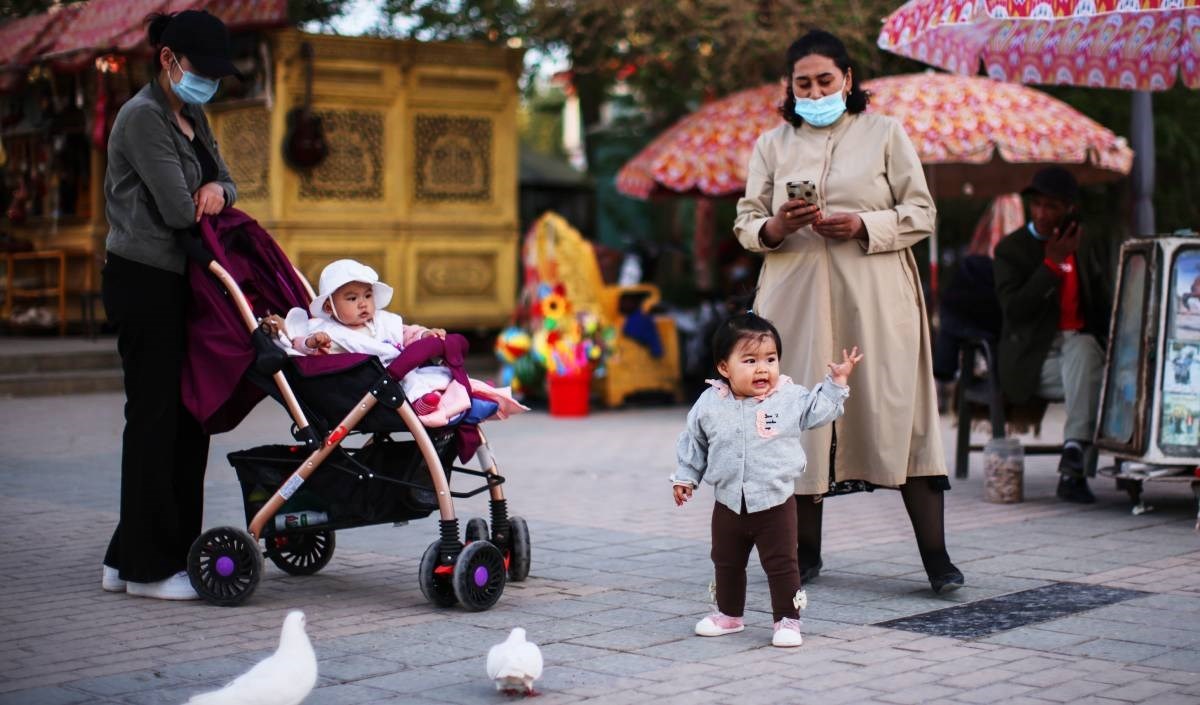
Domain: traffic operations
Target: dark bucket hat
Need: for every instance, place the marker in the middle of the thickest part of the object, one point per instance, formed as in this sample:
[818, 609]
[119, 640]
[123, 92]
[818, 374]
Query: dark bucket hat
[1055, 182]
[204, 40]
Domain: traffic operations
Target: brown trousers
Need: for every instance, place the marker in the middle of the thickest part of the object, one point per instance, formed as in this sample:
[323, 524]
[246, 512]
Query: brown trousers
[773, 532]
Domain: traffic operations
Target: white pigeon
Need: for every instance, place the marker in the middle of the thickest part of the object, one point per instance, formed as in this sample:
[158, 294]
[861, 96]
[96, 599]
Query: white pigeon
[515, 663]
[284, 678]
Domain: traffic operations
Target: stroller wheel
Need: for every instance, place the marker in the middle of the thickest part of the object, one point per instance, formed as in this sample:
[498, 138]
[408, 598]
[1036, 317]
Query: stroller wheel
[477, 529]
[302, 552]
[479, 576]
[436, 588]
[225, 565]
[518, 557]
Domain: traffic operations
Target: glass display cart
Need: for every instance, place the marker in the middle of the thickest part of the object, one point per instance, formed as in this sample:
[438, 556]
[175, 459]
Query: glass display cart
[1150, 399]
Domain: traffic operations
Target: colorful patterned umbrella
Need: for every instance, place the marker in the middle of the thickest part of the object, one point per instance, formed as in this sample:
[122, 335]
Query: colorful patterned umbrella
[1128, 44]
[972, 134]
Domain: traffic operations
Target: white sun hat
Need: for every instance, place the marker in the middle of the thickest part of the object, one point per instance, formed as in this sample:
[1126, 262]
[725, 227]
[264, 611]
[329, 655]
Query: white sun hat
[341, 272]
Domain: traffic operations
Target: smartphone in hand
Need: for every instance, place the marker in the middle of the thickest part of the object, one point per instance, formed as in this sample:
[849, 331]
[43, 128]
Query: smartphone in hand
[806, 190]
[1071, 218]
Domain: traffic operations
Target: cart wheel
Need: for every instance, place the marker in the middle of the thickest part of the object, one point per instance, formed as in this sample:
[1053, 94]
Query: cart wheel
[225, 565]
[436, 588]
[477, 529]
[301, 552]
[518, 556]
[479, 576]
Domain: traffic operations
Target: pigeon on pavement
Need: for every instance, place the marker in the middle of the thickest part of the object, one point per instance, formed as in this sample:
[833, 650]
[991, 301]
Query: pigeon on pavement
[515, 664]
[286, 677]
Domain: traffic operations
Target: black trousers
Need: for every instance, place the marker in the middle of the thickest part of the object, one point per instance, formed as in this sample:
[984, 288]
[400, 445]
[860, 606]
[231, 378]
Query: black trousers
[773, 532]
[164, 449]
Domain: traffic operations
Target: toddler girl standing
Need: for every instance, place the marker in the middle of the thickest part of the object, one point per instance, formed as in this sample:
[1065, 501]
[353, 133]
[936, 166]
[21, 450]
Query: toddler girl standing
[743, 437]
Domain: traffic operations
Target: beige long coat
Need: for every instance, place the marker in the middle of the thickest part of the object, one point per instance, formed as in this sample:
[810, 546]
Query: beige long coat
[825, 295]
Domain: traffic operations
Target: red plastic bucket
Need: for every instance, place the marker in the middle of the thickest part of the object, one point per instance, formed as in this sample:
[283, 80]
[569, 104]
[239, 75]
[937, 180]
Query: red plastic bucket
[569, 393]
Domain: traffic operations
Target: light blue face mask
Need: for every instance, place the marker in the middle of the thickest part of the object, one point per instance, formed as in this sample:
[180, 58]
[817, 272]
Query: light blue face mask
[194, 89]
[823, 111]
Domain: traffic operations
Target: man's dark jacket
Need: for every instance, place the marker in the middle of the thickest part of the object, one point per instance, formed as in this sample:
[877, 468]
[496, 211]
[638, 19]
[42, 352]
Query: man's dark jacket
[1029, 299]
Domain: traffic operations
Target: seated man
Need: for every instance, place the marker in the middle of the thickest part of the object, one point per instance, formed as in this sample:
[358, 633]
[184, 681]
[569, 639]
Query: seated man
[1055, 289]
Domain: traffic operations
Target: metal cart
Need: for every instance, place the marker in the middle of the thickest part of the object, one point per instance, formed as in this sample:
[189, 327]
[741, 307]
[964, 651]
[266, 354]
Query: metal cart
[1150, 399]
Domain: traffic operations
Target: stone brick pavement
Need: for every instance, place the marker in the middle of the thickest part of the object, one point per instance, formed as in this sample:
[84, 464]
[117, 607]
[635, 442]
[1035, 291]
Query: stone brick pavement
[619, 578]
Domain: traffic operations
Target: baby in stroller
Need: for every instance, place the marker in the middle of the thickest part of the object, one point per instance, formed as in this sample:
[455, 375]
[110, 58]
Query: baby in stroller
[347, 316]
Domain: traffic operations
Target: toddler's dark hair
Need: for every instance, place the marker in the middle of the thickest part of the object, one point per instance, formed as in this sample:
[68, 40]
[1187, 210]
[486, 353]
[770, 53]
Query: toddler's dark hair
[743, 326]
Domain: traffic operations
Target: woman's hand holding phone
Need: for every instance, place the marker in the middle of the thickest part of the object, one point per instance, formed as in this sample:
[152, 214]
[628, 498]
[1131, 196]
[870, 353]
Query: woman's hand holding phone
[794, 214]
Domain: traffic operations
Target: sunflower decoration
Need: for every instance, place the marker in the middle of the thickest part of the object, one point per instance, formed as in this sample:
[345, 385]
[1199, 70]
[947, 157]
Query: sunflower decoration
[554, 306]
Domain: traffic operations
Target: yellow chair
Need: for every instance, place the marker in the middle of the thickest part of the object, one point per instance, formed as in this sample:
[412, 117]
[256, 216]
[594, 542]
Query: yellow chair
[556, 252]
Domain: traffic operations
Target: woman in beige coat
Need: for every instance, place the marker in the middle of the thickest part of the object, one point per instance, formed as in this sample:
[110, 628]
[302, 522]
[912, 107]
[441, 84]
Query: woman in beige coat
[839, 272]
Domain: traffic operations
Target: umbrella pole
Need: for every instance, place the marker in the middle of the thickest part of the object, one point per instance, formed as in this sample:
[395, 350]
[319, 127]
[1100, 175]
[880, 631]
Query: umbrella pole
[1141, 134]
[703, 243]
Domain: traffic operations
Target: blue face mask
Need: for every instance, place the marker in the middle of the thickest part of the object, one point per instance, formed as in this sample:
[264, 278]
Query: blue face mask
[823, 111]
[194, 89]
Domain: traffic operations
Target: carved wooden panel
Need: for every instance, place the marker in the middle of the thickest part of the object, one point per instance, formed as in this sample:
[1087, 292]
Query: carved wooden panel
[245, 136]
[353, 171]
[453, 158]
[456, 275]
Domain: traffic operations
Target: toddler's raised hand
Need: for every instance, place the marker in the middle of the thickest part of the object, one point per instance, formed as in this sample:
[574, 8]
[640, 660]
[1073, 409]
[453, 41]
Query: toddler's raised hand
[841, 371]
[682, 494]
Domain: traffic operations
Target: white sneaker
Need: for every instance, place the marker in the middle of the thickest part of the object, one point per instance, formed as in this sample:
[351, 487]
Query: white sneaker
[176, 587]
[111, 581]
[719, 624]
[787, 633]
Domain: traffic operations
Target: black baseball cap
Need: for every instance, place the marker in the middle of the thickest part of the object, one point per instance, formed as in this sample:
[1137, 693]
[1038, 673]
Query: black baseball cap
[1055, 182]
[204, 40]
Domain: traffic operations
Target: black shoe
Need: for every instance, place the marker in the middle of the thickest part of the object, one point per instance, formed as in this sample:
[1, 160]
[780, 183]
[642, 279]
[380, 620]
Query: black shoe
[1073, 459]
[949, 581]
[807, 575]
[1074, 489]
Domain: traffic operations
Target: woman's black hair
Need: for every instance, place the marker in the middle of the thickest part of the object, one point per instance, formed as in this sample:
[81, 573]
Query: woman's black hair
[156, 23]
[829, 46]
[743, 326]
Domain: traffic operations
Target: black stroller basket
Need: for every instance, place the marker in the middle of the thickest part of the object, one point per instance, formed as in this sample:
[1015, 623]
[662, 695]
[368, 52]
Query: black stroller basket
[385, 481]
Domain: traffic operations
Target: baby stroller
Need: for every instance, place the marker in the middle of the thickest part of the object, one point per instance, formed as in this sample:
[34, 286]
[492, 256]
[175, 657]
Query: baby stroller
[297, 496]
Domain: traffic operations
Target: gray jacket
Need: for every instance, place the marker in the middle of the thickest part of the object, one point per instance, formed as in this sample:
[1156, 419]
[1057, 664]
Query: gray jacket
[751, 447]
[152, 174]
